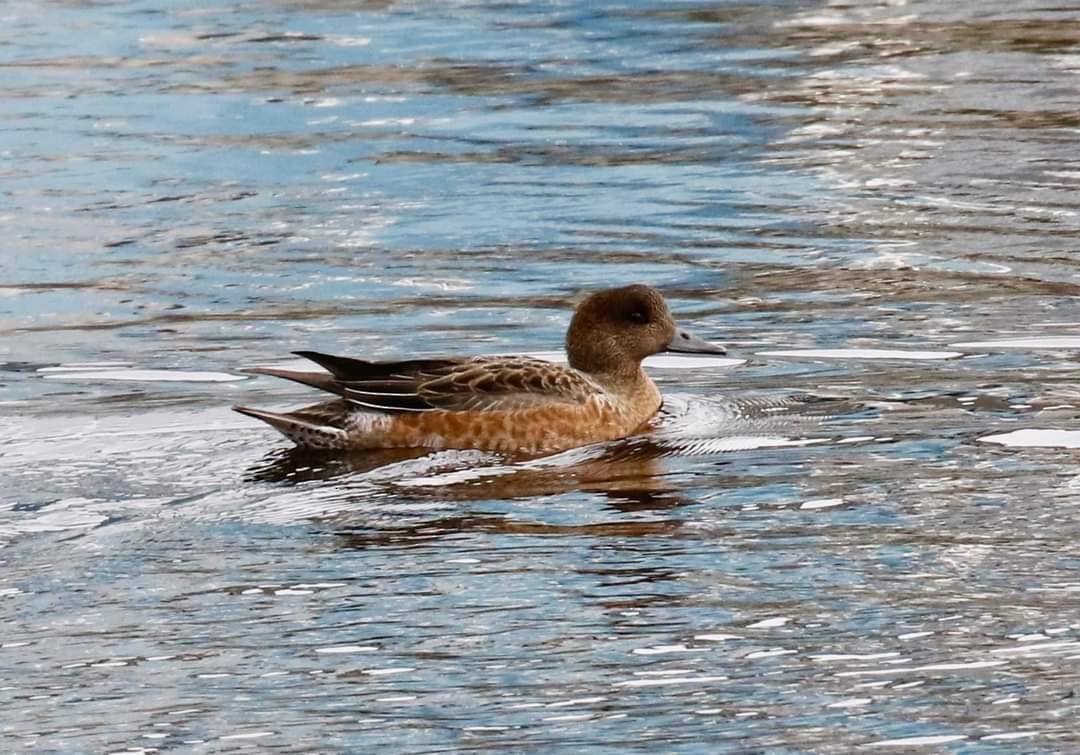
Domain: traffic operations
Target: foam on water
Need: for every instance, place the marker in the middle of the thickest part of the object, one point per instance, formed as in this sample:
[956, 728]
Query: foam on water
[1035, 438]
[897, 354]
[139, 375]
[1030, 342]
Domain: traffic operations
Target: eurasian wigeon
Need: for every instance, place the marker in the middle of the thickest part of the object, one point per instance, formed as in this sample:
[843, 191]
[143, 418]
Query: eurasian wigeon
[508, 404]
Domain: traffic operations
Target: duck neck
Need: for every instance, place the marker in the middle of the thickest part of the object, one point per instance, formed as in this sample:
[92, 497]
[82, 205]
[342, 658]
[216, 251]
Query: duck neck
[626, 380]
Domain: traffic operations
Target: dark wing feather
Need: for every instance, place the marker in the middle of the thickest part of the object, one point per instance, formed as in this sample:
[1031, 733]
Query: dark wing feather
[382, 386]
[477, 384]
[347, 368]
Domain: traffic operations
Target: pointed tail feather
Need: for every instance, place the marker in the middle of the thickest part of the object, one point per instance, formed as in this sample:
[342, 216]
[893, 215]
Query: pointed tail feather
[319, 380]
[300, 430]
[347, 368]
[339, 367]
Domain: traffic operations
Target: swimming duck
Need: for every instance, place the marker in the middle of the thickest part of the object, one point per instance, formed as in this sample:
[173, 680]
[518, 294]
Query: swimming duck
[508, 404]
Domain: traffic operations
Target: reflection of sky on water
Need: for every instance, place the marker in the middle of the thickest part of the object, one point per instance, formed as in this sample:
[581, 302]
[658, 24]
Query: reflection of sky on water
[208, 152]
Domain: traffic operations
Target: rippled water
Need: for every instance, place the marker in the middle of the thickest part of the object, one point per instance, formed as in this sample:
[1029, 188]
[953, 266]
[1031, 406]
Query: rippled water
[860, 532]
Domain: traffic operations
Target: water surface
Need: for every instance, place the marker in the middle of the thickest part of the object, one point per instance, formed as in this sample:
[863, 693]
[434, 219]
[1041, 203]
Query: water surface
[860, 533]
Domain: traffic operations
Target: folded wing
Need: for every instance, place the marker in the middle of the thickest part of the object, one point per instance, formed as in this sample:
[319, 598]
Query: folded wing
[421, 385]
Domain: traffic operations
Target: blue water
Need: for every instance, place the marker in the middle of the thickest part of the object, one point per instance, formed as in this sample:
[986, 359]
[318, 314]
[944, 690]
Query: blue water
[869, 202]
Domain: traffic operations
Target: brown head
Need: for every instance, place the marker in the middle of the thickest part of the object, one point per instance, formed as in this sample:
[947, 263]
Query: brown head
[613, 330]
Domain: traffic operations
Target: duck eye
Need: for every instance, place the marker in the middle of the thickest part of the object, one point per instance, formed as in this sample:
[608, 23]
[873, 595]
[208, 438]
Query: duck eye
[639, 316]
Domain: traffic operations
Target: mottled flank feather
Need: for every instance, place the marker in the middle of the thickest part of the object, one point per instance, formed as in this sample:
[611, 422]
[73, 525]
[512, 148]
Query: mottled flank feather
[313, 427]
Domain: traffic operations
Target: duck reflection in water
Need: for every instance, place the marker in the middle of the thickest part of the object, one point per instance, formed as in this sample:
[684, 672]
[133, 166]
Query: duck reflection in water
[630, 474]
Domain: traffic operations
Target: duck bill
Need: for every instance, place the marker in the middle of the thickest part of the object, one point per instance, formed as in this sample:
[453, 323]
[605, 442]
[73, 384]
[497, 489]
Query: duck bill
[686, 342]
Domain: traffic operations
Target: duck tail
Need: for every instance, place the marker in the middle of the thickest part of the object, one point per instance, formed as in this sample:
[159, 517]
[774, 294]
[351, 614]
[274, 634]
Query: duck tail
[319, 380]
[301, 430]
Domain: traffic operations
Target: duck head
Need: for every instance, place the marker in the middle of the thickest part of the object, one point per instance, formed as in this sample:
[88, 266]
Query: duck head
[613, 330]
